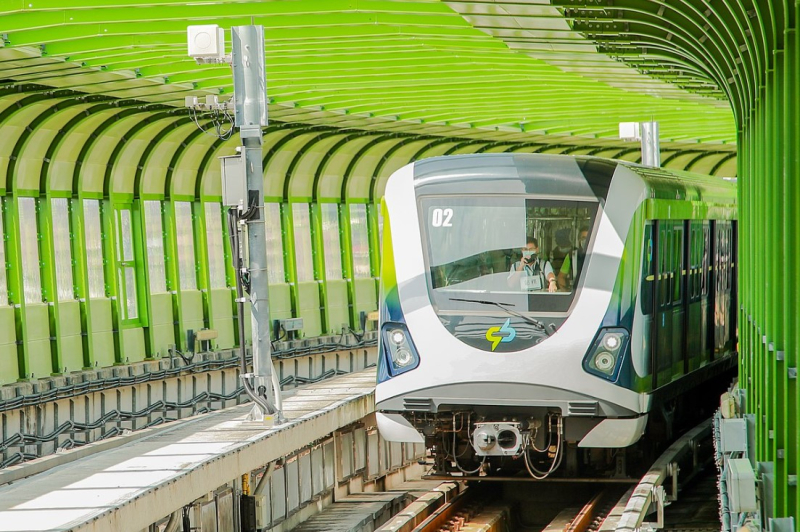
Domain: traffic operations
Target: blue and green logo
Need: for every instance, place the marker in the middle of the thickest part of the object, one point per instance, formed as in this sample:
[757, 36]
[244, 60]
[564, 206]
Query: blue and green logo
[504, 334]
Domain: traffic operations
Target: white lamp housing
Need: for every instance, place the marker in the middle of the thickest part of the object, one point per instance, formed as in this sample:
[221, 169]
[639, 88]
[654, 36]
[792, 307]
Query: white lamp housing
[629, 131]
[206, 43]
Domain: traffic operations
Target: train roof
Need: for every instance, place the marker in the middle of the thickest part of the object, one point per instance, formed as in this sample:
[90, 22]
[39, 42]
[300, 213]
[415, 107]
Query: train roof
[574, 176]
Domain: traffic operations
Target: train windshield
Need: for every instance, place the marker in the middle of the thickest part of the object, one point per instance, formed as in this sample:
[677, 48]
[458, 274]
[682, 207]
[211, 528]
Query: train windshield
[516, 254]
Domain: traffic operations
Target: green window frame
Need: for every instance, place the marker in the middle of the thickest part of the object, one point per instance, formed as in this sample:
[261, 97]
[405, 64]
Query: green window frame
[331, 241]
[184, 229]
[62, 248]
[154, 232]
[29, 249]
[304, 259]
[93, 237]
[216, 246]
[276, 271]
[126, 266]
[359, 239]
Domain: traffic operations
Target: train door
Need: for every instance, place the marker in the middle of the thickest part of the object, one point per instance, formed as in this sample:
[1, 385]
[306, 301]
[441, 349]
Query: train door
[662, 337]
[692, 344]
[647, 299]
[713, 296]
[678, 299]
[720, 288]
[706, 301]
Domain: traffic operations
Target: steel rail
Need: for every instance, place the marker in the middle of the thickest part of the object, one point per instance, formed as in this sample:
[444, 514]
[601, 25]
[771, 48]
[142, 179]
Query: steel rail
[650, 489]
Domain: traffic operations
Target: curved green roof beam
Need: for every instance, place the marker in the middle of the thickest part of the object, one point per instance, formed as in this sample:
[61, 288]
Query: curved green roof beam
[415, 62]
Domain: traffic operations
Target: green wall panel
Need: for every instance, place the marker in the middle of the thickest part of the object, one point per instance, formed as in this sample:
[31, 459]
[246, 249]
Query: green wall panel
[162, 327]
[133, 341]
[192, 311]
[366, 296]
[102, 332]
[69, 328]
[9, 367]
[338, 306]
[308, 308]
[280, 301]
[38, 346]
[222, 317]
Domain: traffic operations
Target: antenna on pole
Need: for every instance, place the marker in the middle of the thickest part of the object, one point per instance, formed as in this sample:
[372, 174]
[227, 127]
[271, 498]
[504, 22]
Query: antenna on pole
[243, 192]
[647, 133]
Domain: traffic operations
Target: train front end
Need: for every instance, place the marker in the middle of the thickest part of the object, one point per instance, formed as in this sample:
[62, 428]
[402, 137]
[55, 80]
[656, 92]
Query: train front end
[497, 347]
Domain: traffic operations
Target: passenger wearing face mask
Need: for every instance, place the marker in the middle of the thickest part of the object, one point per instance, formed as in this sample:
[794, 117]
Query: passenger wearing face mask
[573, 263]
[531, 273]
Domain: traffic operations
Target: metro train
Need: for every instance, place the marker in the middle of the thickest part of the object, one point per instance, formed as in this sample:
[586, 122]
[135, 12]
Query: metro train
[506, 361]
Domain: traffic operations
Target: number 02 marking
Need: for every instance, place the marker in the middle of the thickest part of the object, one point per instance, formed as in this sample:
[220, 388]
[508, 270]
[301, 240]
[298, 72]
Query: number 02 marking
[442, 218]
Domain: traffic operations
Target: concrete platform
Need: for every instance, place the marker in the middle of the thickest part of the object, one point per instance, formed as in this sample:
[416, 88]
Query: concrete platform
[363, 512]
[128, 487]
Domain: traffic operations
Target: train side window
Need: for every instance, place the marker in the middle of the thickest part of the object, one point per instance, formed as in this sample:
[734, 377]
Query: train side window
[664, 245]
[697, 260]
[730, 255]
[719, 259]
[705, 262]
[697, 256]
[677, 262]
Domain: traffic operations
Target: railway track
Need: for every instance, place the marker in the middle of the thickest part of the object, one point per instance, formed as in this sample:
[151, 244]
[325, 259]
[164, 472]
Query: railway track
[471, 511]
[505, 505]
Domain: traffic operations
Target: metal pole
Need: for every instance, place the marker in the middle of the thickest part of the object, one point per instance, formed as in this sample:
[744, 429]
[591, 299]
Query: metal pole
[249, 80]
[651, 151]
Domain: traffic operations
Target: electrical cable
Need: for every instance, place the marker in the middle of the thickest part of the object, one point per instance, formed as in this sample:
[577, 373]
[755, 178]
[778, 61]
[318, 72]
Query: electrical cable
[99, 385]
[261, 400]
[557, 457]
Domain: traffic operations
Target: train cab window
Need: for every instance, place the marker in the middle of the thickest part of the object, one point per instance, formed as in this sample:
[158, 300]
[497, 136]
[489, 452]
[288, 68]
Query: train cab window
[505, 250]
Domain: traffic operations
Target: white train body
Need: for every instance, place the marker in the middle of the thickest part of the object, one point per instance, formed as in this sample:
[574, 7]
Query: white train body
[471, 345]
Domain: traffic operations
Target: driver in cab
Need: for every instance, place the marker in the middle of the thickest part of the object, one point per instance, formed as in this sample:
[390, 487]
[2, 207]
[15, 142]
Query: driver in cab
[531, 273]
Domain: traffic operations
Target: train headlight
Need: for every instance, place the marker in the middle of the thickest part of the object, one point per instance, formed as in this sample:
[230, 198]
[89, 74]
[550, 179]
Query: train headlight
[403, 358]
[397, 349]
[604, 361]
[397, 337]
[606, 353]
[612, 341]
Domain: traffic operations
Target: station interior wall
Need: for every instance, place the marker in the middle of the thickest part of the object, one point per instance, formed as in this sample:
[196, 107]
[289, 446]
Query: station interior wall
[115, 242]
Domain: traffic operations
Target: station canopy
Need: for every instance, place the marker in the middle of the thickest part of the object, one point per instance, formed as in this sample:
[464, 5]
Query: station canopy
[504, 74]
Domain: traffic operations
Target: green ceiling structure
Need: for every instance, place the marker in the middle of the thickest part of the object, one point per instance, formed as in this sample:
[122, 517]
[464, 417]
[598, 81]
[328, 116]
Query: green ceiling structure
[424, 67]
[91, 108]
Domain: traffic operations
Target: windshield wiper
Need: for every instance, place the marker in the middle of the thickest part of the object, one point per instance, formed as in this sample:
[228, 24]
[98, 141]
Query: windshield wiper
[504, 306]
